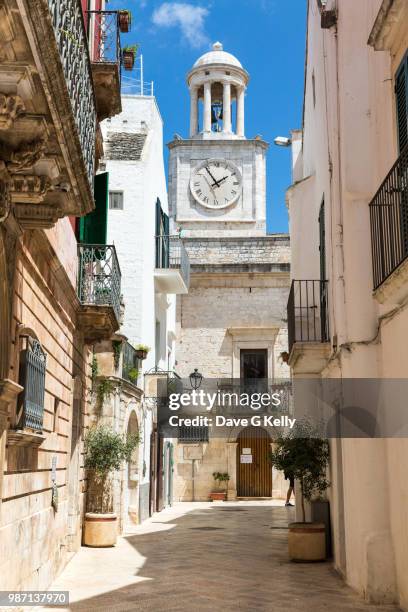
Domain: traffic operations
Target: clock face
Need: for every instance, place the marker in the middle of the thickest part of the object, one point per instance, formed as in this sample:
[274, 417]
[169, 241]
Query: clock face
[216, 183]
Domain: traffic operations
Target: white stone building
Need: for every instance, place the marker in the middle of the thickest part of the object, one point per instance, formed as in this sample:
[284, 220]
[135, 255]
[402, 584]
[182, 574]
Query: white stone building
[137, 214]
[235, 308]
[347, 209]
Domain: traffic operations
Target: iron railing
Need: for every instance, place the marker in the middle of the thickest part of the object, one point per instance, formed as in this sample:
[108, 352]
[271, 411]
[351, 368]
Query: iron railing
[32, 378]
[307, 309]
[389, 221]
[171, 254]
[99, 276]
[193, 434]
[104, 45]
[69, 30]
[130, 363]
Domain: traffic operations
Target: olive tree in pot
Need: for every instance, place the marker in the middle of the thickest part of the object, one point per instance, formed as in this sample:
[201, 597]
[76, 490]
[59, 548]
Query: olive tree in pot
[219, 494]
[306, 455]
[105, 452]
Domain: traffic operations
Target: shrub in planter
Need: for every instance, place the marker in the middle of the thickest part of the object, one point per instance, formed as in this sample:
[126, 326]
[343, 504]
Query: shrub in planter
[219, 494]
[105, 451]
[125, 21]
[304, 454]
[129, 56]
[141, 351]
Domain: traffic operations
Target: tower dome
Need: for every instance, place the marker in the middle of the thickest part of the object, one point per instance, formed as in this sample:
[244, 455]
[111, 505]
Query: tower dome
[218, 80]
[217, 56]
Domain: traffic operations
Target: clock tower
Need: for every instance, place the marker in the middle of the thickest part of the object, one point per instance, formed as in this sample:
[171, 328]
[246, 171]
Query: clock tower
[231, 324]
[217, 175]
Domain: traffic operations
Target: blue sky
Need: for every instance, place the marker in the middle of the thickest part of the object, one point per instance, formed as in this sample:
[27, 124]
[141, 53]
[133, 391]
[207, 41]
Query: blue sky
[267, 36]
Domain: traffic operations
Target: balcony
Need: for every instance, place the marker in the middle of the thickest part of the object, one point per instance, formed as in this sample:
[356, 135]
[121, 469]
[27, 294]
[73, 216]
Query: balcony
[105, 54]
[131, 365]
[172, 273]
[308, 326]
[389, 227]
[48, 127]
[99, 281]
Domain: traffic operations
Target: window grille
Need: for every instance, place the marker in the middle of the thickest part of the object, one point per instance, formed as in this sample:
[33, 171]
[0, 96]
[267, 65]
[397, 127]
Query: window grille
[32, 378]
[193, 434]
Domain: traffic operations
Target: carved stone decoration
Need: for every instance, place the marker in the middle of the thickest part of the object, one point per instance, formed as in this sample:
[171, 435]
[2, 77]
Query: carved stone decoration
[27, 155]
[11, 106]
[29, 187]
[5, 200]
[37, 216]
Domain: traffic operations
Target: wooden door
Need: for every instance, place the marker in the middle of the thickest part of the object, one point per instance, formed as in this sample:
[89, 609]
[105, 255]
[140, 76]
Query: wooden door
[254, 470]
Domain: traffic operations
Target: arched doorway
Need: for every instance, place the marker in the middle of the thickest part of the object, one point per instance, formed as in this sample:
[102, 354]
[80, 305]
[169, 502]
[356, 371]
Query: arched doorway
[254, 471]
[131, 514]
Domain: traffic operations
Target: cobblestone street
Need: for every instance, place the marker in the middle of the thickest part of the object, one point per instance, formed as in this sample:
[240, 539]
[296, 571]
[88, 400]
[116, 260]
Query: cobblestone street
[202, 556]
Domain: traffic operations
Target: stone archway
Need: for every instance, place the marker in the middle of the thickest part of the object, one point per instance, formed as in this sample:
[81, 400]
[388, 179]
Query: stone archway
[254, 471]
[132, 476]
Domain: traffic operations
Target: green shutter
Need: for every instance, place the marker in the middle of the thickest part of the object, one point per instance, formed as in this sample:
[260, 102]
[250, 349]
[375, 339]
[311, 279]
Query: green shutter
[93, 227]
[401, 96]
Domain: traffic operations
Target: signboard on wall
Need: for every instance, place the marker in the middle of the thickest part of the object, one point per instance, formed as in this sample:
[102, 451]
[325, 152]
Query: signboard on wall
[246, 458]
[193, 451]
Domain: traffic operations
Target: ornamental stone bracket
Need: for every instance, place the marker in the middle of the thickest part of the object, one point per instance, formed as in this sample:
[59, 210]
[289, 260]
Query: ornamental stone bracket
[11, 107]
[107, 89]
[97, 322]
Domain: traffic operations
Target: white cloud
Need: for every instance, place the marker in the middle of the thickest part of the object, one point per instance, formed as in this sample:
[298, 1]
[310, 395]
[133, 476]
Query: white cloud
[189, 18]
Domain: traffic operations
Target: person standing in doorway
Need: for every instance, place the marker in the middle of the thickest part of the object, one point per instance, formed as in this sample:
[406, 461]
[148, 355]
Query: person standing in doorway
[289, 476]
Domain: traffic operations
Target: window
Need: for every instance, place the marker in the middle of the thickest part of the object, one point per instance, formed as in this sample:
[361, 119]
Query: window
[322, 242]
[401, 98]
[254, 363]
[32, 379]
[116, 200]
[193, 434]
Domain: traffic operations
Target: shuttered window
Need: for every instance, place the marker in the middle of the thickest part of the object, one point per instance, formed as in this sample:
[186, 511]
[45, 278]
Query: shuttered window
[162, 237]
[401, 95]
[32, 379]
[93, 227]
[322, 242]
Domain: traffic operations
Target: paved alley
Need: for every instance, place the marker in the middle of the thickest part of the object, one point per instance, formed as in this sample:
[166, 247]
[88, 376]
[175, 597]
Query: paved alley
[205, 557]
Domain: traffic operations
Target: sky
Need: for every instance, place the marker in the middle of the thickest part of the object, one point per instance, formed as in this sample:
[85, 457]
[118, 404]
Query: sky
[267, 36]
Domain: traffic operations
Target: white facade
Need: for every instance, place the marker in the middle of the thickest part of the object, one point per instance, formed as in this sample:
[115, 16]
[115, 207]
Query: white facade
[134, 160]
[343, 154]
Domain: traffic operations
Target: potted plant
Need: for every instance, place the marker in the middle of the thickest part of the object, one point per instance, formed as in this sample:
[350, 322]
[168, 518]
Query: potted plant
[219, 494]
[125, 21]
[105, 451]
[133, 375]
[306, 456]
[129, 56]
[141, 351]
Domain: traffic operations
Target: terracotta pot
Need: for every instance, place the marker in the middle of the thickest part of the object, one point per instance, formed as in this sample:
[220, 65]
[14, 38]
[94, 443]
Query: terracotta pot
[307, 541]
[218, 496]
[128, 59]
[124, 22]
[100, 530]
[141, 354]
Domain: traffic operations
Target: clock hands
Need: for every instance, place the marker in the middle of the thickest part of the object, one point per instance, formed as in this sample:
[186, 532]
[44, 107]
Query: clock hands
[214, 179]
[215, 183]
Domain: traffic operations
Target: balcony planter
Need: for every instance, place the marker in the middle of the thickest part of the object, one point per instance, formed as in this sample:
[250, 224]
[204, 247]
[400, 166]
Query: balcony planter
[306, 456]
[128, 57]
[105, 452]
[218, 494]
[141, 351]
[125, 20]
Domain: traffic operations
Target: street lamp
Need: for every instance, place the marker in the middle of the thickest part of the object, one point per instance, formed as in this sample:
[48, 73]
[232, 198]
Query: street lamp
[195, 379]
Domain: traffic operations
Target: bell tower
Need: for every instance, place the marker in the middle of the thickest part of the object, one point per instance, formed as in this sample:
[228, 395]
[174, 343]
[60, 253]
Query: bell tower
[217, 184]
[217, 80]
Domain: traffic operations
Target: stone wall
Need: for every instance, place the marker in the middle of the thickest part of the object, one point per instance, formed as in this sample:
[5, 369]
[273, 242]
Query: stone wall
[36, 540]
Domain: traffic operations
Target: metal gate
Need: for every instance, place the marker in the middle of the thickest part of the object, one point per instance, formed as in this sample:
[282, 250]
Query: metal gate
[254, 470]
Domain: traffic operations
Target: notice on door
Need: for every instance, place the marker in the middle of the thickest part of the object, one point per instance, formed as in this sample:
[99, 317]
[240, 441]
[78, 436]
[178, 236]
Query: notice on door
[246, 458]
[246, 451]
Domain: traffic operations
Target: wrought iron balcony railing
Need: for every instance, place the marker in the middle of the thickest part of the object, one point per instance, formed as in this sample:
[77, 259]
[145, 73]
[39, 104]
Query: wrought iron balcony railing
[130, 363]
[99, 276]
[171, 254]
[32, 378]
[389, 221]
[69, 30]
[307, 309]
[104, 46]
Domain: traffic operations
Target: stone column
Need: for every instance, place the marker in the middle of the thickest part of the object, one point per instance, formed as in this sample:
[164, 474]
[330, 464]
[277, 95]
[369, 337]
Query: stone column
[240, 112]
[9, 391]
[207, 107]
[226, 109]
[232, 469]
[193, 111]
